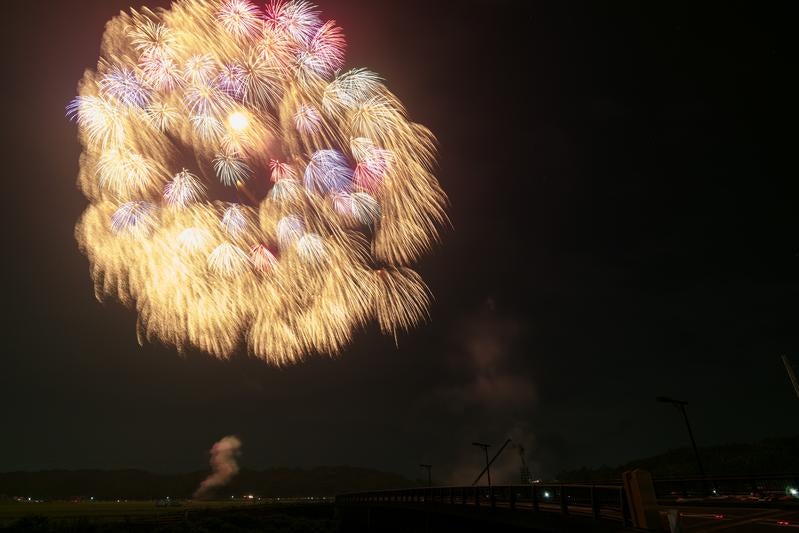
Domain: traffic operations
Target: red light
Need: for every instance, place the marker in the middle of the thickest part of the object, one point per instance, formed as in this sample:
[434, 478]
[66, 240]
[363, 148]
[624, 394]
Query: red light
[719, 517]
[783, 523]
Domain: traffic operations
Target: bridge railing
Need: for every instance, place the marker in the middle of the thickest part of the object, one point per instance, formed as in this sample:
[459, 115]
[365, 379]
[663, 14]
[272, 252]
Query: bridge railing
[599, 502]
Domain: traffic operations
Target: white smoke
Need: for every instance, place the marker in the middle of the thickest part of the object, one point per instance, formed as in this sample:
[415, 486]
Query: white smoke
[494, 391]
[223, 465]
[491, 383]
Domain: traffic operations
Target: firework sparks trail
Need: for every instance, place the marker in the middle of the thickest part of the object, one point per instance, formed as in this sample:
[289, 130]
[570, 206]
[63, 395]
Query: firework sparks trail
[211, 96]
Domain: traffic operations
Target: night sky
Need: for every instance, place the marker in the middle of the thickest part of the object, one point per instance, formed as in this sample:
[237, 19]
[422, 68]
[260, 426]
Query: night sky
[623, 193]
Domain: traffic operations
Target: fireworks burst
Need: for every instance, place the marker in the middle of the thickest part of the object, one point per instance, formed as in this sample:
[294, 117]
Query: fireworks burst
[334, 186]
[230, 168]
[262, 258]
[183, 189]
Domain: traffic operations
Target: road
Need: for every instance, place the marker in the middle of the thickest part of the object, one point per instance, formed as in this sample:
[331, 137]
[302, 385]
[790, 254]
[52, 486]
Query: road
[738, 520]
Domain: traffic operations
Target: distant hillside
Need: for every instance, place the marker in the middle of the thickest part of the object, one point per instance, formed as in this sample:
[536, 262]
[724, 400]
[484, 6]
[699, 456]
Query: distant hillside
[771, 456]
[138, 484]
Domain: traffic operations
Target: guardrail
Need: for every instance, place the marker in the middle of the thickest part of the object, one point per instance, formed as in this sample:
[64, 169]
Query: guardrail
[766, 486]
[599, 502]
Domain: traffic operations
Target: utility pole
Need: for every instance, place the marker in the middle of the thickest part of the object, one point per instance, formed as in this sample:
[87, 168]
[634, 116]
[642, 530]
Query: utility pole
[791, 373]
[485, 450]
[524, 476]
[429, 469]
[679, 404]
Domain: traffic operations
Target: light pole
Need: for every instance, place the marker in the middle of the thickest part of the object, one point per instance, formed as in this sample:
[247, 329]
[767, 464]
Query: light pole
[791, 373]
[429, 474]
[679, 404]
[485, 450]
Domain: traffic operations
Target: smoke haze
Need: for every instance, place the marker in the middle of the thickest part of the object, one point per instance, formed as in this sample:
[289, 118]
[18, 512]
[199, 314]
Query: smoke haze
[223, 465]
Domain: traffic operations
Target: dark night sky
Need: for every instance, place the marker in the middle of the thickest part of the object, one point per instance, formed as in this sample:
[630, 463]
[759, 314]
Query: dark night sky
[624, 206]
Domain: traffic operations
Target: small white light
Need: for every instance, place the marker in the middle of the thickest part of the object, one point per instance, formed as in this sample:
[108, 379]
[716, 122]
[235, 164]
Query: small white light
[238, 121]
[793, 491]
[546, 494]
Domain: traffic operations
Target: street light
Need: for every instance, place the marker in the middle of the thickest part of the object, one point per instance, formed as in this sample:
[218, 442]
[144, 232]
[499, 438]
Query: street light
[429, 473]
[791, 373]
[681, 406]
[485, 450]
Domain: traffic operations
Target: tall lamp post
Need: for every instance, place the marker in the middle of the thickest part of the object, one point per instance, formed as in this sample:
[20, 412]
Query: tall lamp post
[679, 404]
[429, 469]
[791, 373]
[485, 450]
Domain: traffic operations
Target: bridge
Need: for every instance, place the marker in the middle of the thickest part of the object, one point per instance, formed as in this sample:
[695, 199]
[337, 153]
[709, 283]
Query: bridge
[724, 504]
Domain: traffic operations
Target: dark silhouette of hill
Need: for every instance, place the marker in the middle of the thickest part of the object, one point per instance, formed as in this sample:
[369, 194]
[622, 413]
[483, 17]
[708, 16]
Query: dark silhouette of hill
[139, 484]
[770, 456]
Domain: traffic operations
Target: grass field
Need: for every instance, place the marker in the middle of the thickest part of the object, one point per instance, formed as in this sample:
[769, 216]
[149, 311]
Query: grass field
[146, 516]
[108, 511]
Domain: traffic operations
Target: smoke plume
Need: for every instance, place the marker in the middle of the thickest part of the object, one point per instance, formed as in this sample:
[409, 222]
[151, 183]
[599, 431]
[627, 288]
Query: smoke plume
[223, 465]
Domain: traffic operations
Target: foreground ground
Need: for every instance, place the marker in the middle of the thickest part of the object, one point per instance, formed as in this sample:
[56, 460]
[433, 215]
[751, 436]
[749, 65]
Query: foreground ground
[141, 516]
